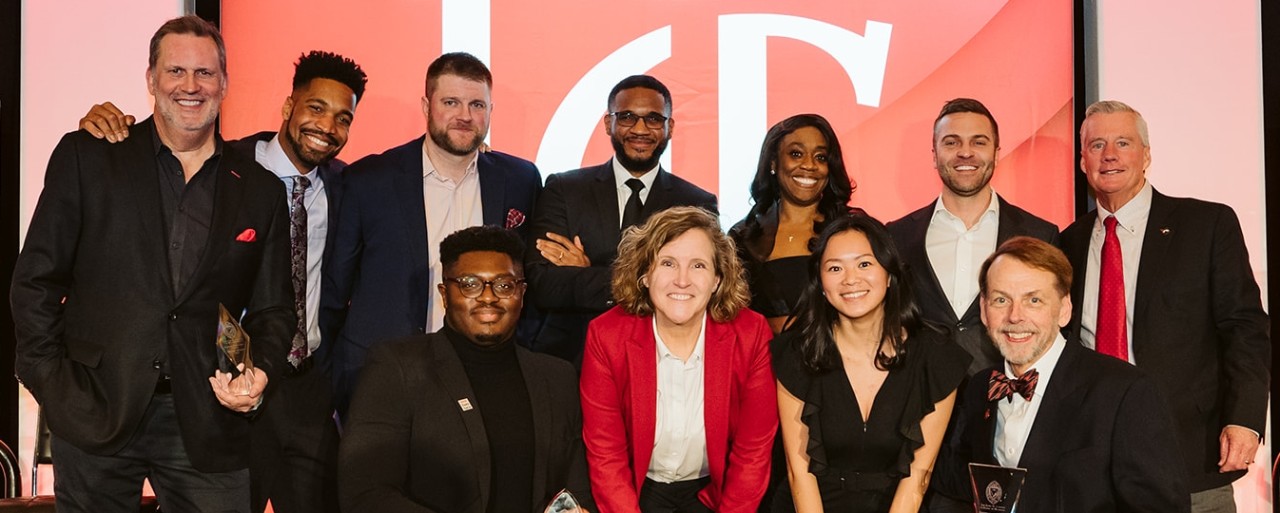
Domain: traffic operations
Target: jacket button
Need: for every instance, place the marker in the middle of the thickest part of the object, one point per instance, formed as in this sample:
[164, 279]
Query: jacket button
[173, 316]
[155, 364]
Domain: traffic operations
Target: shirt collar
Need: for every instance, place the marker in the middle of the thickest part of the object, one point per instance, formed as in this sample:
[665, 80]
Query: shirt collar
[429, 168]
[698, 347]
[992, 212]
[1133, 213]
[272, 156]
[1047, 362]
[621, 175]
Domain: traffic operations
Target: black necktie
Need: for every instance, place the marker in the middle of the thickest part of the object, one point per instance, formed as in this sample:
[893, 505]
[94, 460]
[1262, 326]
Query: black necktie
[631, 213]
[1000, 386]
[298, 257]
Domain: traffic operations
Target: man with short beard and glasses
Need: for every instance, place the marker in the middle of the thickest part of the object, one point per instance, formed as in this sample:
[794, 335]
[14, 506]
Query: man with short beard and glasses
[384, 266]
[295, 445]
[582, 213]
[1093, 433]
[946, 241]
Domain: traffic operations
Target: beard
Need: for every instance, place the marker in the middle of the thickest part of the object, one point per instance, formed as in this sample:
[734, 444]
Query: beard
[440, 136]
[305, 154]
[636, 165]
[1023, 354]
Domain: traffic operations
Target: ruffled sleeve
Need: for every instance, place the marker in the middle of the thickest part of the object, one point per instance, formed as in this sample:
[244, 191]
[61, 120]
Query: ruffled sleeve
[794, 377]
[936, 365]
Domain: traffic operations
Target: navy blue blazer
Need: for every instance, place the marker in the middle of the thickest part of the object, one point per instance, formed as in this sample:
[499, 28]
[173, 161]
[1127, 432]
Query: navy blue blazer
[377, 277]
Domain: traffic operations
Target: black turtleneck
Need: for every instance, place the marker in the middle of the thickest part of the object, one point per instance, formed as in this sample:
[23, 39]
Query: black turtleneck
[503, 400]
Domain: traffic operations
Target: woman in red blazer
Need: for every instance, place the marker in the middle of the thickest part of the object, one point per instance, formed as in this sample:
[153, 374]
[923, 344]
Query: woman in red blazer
[678, 398]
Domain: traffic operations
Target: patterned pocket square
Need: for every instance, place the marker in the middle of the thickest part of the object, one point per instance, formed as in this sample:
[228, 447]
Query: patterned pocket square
[248, 235]
[515, 218]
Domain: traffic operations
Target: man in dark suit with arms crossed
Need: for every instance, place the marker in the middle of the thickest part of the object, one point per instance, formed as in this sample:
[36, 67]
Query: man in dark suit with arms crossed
[582, 213]
[1186, 311]
[116, 296]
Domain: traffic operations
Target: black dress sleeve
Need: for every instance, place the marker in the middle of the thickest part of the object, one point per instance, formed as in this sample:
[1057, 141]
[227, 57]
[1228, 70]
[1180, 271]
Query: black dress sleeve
[937, 366]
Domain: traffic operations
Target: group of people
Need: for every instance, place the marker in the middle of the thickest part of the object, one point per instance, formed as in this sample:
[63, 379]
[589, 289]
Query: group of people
[487, 341]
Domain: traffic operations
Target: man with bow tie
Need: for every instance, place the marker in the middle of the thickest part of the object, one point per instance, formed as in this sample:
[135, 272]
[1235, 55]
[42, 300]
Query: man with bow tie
[1092, 432]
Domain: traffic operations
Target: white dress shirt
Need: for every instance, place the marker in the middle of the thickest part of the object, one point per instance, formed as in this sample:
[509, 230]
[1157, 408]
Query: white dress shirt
[1015, 418]
[1131, 228]
[451, 206]
[316, 202]
[680, 437]
[620, 177]
[956, 253]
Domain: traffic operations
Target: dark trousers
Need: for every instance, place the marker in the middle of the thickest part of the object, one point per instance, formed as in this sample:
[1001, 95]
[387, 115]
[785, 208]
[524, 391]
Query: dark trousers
[90, 483]
[677, 497]
[295, 447]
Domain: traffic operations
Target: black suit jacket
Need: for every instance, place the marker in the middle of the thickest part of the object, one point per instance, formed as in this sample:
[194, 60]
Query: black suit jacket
[331, 174]
[909, 234]
[95, 309]
[1102, 441]
[377, 277]
[1198, 326]
[584, 203]
[409, 447]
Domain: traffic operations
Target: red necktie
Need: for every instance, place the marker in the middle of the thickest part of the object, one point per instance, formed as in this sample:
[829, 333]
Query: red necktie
[1111, 335]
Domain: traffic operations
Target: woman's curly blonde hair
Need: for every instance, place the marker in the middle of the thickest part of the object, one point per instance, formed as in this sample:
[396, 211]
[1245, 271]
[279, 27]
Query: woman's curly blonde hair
[639, 250]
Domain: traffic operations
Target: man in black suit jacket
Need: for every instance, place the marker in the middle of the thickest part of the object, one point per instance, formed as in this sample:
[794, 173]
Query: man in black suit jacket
[116, 296]
[1093, 433]
[380, 277]
[944, 242]
[464, 419]
[1193, 310]
[582, 213]
[295, 443]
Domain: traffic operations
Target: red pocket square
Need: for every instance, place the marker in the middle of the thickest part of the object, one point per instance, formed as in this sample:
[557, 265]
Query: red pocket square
[248, 235]
[515, 218]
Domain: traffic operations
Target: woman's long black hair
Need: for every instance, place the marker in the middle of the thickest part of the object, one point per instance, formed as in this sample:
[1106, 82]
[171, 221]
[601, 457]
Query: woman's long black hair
[815, 317]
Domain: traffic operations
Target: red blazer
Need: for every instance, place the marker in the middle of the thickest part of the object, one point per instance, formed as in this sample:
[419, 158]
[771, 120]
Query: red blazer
[619, 388]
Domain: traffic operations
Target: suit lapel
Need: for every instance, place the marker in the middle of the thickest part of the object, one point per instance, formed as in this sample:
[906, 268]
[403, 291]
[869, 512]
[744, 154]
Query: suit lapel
[1062, 401]
[409, 196]
[642, 368]
[540, 401]
[931, 296]
[1155, 248]
[453, 380]
[717, 377]
[493, 191]
[143, 184]
[660, 197]
[227, 196]
[1075, 243]
[605, 194]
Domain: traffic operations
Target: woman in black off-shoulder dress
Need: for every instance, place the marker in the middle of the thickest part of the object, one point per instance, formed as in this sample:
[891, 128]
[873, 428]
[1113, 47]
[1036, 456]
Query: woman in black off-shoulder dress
[865, 388]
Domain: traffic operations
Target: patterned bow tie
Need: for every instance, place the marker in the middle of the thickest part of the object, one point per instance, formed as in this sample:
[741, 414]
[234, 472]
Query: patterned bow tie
[1000, 386]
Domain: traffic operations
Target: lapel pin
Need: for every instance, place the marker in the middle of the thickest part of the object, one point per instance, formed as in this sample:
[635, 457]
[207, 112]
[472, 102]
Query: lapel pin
[1165, 231]
[986, 415]
[465, 404]
[234, 173]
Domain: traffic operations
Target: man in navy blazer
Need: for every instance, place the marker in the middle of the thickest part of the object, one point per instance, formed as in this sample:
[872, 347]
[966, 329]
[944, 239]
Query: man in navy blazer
[381, 277]
[1193, 311]
[945, 241]
[1093, 433]
[580, 216]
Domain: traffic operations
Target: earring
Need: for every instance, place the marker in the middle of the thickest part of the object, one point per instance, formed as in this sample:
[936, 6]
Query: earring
[772, 172]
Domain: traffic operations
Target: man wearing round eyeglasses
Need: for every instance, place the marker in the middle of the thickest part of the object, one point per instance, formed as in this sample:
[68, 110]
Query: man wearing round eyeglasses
[581, 214]
[463, 419]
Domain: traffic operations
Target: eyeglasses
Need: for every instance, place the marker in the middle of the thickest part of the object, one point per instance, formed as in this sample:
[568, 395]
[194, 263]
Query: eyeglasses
[653, 120]
[473, 286]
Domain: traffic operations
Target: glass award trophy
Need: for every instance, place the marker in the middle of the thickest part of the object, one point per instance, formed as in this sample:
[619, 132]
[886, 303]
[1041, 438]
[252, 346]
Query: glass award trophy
[233, 344]
[995, 489]
[564, 502]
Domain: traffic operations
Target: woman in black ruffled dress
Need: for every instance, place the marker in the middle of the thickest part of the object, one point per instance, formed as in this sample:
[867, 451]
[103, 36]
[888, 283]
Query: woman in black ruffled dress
[865, 388]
